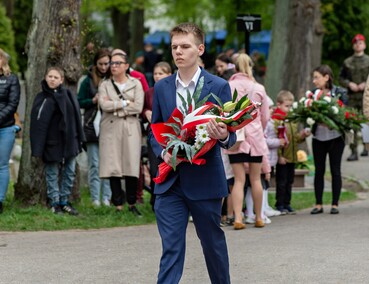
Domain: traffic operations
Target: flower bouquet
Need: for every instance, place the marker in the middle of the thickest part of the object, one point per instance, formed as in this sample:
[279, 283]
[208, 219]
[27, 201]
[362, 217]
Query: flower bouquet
[318, 107]
[184, 135]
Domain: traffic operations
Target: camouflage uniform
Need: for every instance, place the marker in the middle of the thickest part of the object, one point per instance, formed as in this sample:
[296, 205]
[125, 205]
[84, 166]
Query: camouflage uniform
[355, 69]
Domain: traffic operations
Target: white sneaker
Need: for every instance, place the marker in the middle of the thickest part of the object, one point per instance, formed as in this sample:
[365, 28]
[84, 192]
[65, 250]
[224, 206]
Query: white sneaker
[106, 202]
[96, 203]
[250, 220]
[266, 220]
[272, 212]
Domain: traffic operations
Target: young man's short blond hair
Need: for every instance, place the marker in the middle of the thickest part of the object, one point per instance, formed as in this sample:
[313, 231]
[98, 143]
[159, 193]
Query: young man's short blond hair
[285, 96]
[189, 28]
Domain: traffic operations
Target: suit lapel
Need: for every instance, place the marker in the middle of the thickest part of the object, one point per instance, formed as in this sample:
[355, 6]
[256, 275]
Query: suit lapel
[171, 94]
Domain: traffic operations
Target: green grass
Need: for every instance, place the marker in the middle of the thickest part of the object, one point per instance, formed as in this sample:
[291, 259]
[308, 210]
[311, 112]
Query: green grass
[302, 200]
[39, 218]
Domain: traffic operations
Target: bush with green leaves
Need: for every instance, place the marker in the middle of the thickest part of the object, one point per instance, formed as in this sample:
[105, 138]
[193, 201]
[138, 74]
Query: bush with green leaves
[7, 39]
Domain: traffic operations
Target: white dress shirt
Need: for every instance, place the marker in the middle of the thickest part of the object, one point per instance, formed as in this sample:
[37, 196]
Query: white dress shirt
[181, 88]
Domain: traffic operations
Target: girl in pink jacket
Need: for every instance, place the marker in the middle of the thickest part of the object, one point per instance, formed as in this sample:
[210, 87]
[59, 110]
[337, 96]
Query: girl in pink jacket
[253, 145]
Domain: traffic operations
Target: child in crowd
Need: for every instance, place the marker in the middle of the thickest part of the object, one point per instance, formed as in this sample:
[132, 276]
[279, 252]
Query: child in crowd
[56, 136]
[227, 208]
[267, 211]
[282, 140]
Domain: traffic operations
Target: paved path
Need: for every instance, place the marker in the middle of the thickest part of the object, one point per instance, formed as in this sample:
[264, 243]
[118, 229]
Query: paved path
[293, 249]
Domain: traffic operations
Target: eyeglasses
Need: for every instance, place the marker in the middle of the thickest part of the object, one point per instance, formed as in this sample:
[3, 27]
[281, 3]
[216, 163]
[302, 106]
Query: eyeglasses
[118, 63]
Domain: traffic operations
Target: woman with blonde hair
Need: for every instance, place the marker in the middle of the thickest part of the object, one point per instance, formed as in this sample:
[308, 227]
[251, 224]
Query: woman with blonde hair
[9, 99]
[253, 145]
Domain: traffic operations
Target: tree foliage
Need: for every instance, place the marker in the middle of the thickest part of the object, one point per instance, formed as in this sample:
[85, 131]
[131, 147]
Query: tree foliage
[7, 39]
[21, 21]
[215, 14]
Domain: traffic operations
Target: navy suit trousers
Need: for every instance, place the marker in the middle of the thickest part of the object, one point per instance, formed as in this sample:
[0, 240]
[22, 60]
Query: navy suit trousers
[172, 210]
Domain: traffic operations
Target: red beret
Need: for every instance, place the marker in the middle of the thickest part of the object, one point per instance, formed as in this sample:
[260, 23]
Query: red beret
[357, 38]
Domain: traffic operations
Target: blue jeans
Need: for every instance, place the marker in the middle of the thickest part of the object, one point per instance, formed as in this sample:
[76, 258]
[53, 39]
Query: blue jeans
[56, 195]
[7, 138]
[94, 182]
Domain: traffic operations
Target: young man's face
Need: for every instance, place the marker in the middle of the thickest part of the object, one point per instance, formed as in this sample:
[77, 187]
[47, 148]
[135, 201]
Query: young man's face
[185, 50]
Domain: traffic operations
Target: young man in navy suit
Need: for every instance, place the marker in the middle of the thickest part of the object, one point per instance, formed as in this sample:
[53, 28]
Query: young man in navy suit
[190, 188]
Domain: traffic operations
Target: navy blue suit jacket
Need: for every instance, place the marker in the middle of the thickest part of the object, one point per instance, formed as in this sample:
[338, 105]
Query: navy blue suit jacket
[197, 182]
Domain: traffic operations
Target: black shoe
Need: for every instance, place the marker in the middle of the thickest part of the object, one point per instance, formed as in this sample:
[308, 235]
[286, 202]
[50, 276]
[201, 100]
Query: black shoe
[353, 157]
[68, 208]
[56, 209]
[1, 207]
[283, 210]
[134, 211]
[364, 153]
[334, 210]
[317, 210]
[290, 210]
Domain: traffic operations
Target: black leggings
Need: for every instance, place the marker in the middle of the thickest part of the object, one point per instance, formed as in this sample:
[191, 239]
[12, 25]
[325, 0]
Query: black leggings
[334, 148]
[118, 196]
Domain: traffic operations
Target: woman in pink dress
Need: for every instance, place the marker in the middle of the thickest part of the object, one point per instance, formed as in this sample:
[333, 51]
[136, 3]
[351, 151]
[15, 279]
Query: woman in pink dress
[253, 145]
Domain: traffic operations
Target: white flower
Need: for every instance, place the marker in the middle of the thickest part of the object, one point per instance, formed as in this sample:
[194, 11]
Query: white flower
[328, 99]
[201, 127]
[310, 121]
[295, 105]
[308, 94]
[202, 136]
[302, 99]
[335, 109]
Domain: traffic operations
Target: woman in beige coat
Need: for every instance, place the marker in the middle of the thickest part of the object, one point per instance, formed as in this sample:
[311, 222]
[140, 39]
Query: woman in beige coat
[121, 100]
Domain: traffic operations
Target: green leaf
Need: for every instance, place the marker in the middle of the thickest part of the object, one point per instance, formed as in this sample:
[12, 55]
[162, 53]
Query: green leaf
[203, 101]
[189, 153]
[239, 103]
[189, 100]
[235, 95]
[197, 93]
[175, 127]
[174, 157]
[177, 120]
[218, 100]
[170, 136]
[184, 103]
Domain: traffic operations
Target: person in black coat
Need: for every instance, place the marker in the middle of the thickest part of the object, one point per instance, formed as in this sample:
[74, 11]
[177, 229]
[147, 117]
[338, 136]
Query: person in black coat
[56, 136]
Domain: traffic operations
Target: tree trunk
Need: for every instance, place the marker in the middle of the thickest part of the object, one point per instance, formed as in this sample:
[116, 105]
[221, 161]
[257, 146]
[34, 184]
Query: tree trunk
[137, 32]
[121, 29]
[296, 46]
[53, 40]
[9, 7]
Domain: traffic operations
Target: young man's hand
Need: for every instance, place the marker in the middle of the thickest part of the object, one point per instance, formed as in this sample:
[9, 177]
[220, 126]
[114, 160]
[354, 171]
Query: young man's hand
[217, 130]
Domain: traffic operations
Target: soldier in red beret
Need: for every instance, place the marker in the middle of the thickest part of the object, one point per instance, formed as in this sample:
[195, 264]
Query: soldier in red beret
[353, 75]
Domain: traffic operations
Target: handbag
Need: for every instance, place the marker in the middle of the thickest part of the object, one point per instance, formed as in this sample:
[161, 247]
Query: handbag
[96, 122]
[240, 134]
